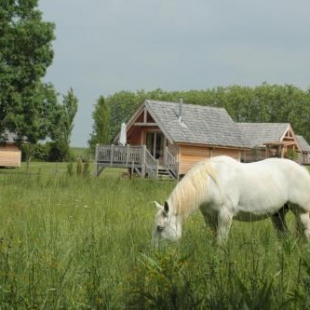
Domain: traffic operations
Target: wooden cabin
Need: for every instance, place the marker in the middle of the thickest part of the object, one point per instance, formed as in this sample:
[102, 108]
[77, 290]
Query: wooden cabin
[10, 154]
[171, 137]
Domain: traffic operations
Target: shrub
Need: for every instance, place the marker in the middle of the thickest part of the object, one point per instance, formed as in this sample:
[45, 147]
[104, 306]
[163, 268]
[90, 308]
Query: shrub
[70, 169]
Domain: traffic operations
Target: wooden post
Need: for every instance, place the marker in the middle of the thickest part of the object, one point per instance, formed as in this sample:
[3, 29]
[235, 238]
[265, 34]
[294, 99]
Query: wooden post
[283, 150]
[143, 159]
[132, 169]
[157, 167]
[96, 161]
[127, 154]
[112, 154]
[165, 156]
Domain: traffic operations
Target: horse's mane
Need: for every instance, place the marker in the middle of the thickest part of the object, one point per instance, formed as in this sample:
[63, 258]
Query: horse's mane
[191, 190]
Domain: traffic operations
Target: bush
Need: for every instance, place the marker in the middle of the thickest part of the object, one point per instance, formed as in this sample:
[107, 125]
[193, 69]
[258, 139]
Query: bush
[70, 169]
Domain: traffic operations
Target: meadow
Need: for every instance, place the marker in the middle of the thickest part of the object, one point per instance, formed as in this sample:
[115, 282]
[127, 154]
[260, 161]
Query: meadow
[73, 241]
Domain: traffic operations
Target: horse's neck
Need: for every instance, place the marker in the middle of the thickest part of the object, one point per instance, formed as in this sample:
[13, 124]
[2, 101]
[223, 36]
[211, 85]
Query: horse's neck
[183, 205]
[191, 192]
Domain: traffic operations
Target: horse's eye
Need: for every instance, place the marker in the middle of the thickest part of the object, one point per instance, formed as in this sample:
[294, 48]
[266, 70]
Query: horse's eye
[160, 228]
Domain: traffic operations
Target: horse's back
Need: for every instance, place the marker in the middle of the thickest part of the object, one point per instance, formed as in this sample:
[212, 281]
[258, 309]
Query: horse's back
[265, 184]
[292, 171]
[271, 167]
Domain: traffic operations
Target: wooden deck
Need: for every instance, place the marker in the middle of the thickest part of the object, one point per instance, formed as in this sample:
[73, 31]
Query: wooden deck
[137, 159]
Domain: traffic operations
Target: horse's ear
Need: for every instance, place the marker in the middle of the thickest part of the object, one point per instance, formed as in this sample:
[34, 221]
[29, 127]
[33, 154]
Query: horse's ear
[158, 206]
[166, 207]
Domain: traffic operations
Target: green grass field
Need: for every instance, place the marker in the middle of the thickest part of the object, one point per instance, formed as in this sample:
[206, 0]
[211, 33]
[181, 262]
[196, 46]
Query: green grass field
[79, 242]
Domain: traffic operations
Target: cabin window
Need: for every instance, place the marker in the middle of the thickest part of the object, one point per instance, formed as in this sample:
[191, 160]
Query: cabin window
[155, 143]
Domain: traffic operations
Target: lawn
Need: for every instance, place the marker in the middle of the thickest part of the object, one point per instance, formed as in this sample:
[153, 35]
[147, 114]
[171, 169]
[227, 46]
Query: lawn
[80, 242]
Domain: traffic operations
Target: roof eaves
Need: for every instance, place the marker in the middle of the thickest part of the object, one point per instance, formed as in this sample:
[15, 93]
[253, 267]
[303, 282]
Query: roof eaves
[212, 145]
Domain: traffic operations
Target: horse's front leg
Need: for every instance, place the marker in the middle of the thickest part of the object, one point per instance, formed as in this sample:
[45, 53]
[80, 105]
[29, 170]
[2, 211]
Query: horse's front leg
[210, 219]
[303, 224]
[278, 220]
[302, 221]
[224, 224]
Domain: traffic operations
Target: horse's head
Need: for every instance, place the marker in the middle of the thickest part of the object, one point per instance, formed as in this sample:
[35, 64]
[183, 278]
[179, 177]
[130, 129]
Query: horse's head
[166, 225]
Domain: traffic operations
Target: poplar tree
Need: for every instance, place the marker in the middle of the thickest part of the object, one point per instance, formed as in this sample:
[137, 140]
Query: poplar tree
[63, 126]
[101, 126]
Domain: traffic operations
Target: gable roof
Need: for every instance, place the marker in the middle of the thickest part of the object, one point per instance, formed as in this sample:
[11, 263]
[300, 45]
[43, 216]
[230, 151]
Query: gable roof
[256, 134]
[197, 124]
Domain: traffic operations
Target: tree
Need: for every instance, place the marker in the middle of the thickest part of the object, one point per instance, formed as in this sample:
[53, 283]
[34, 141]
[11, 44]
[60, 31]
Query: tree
[64, 123]
[122, 106]
[101, 116]
[26, 53]
[48, 109]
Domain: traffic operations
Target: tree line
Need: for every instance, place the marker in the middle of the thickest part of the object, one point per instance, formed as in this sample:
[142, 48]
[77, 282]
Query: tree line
[263, 103]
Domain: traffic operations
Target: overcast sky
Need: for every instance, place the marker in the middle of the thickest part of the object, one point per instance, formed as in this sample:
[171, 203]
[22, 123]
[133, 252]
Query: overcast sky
[106, 46]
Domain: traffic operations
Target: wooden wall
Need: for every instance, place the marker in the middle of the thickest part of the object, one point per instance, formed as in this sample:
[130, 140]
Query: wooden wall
[10, 156]
[234, 153]
[189, 155]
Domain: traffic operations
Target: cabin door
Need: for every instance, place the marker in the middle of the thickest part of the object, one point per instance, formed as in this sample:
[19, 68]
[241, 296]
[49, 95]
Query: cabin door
[155, 144]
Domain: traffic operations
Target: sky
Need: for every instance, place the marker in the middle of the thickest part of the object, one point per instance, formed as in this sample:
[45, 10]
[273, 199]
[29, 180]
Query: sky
[107, 46]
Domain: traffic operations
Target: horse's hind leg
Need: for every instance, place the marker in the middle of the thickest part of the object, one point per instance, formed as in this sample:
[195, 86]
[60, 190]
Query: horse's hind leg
[278, 220]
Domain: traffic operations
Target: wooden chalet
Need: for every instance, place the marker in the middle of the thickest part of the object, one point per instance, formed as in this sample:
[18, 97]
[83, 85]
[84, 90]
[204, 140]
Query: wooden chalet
[168, 138]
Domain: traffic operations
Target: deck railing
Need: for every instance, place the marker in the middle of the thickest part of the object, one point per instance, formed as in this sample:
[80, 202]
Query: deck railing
[115, 154]
[151, 165]
[118, 156]
[170, 160]
[136, 158]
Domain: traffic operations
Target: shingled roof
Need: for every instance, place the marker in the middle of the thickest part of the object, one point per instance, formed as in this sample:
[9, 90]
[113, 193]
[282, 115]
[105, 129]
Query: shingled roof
[256, 134]
[305, 147]
[196, 125]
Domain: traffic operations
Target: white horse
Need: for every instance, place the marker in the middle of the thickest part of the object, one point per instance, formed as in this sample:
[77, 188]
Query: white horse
[223, 189]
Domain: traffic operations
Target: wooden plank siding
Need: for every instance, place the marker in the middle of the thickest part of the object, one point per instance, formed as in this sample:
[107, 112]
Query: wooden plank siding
[189, 155]
[234, 153]
[303, 158]
[10, 156]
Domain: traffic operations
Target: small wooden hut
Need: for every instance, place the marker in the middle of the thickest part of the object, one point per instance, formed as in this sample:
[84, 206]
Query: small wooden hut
[10, 154]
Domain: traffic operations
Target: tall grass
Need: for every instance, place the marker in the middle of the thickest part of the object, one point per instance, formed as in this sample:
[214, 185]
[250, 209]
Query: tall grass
[81, 242]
